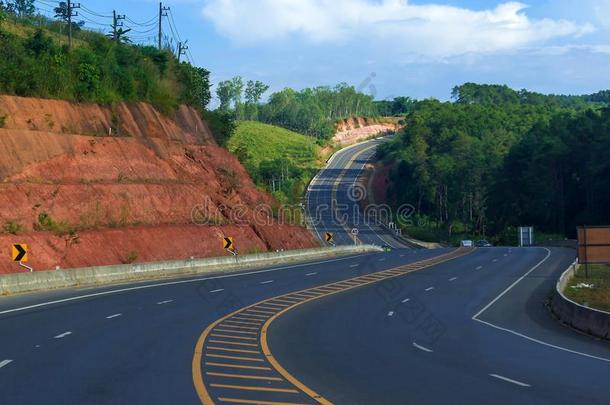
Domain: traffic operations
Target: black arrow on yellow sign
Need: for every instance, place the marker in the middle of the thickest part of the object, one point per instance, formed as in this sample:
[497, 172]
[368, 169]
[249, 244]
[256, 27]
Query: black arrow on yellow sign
[227, 243]
[20, 252]
[329, 237]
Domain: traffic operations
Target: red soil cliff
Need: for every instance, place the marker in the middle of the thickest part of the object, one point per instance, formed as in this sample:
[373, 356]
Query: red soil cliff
[87, 185]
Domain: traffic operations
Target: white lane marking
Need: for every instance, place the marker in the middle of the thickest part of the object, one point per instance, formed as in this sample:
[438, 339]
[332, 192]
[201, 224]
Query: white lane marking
[267, 282]
[453, 278]
[63, 335]
[5, 363]
[510, 380]
[311, 274]
[164, 302]
[354, 265]
[196, 280]
[531, 339]
[479, 268]
[218, 290]
[391, 313]
[402, 255]
[425, 349]
[494, 260]
[406, 300]
[505, 254]
[113, 316]
[382, 260]
[429, 288]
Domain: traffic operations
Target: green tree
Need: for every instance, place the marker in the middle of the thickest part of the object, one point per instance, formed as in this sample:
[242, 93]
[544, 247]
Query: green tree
[224, 91]
[24, 8]
[254, 93]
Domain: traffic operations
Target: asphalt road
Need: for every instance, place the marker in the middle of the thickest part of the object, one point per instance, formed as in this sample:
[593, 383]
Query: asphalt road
[390, 335]
[333, 196]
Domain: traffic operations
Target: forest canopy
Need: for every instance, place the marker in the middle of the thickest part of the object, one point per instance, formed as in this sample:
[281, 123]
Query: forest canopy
[496, 158]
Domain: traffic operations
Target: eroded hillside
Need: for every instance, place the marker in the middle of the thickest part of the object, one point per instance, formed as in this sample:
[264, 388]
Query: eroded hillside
[91, 185]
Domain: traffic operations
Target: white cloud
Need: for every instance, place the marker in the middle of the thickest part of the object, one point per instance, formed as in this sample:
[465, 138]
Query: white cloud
[429, 30]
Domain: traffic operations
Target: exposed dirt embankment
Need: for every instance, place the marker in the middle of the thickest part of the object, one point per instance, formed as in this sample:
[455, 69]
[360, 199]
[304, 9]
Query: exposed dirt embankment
[93, 185]
[352, 130]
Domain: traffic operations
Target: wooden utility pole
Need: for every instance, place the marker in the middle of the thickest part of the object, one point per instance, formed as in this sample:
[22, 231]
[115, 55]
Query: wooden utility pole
[162, 13]
[182, 48]
[116, 18]
[71, 6]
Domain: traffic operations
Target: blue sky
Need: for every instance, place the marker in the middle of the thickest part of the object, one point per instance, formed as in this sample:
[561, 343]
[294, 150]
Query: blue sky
[391, 47]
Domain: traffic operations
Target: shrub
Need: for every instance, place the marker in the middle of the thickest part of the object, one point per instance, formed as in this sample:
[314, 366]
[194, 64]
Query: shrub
[13, 227]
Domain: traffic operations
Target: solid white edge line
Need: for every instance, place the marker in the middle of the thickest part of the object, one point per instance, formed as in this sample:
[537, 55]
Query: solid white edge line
[510, 287]
[5, 363]
[142, 287]
[266, 282]
[113, 316]
[311, 274]
[422, 348]
[62, 335]
[510, 380]
[531, 339]
[217, 290]
[164, 302]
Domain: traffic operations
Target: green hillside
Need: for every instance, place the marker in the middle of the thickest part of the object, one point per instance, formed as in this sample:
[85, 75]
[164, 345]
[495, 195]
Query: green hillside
[280, 160]
[37, 62]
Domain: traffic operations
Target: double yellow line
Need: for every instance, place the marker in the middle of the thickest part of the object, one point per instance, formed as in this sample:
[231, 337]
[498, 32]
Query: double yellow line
[306, 295]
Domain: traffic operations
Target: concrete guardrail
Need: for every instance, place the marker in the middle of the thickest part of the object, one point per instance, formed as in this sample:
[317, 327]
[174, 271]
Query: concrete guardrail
[588, 320]
[91, 276]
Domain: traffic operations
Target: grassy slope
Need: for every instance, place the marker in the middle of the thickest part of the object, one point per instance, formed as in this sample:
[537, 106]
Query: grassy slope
[596, 297]
[268, 142]
[255, 143]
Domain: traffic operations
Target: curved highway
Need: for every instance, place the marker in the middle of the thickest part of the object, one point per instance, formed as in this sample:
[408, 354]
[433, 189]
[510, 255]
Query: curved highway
[332, 200]
[410, 326]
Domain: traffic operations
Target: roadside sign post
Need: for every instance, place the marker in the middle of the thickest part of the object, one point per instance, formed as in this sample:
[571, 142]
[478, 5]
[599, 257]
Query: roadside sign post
[20, 255]
[229, 245]
[355, 233]
[526, 236]
[329, 238]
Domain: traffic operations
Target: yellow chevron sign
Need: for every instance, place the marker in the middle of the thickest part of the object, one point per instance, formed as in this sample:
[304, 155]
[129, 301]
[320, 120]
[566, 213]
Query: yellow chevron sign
[20, 252]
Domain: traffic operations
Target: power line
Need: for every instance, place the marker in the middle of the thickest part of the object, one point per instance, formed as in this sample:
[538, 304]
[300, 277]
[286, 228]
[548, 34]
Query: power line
[152, 21]
[96, 14]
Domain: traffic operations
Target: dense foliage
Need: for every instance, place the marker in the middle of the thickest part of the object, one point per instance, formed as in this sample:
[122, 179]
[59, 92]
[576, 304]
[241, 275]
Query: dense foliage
[489, 162]
[397, 107]
[97, 69]
[278, 159]
[490, 94]
[311, 112]
[558, 176]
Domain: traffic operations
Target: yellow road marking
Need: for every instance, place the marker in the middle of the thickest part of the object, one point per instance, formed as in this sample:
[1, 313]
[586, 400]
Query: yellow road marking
[236, 331]
[234, 350]
[251, 388]
[288, 300]
[233, 343]
[256, 311]
[202, 392]
[249, 323]
[232, 337]
[210, 363]
[224, 356]
[256, 317]
[244, 376]
[274, 307]
[255, 402]
[230, 324]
